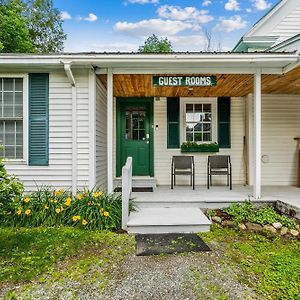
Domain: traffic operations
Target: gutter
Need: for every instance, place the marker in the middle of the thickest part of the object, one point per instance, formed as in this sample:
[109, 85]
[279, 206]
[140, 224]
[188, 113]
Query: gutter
[291, 66]
[69, 73]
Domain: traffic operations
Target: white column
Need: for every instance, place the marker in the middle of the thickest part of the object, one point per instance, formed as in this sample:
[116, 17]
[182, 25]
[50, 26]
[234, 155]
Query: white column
[110, 130]
[257, 135]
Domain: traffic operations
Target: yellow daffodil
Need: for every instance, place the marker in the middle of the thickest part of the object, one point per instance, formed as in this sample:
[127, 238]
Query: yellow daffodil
[28, 212]
[27, 200]
[58, 210]
[97, 194]
[84, 222]
[79, 196]
[46, 206]
[68, 201]
[106, 214]
[19, 211]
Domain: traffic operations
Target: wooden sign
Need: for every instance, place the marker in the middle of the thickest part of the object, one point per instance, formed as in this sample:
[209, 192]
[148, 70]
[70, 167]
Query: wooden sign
[184, 80]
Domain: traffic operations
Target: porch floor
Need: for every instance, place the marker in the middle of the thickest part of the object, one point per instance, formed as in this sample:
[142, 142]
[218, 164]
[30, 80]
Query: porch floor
[215, 196]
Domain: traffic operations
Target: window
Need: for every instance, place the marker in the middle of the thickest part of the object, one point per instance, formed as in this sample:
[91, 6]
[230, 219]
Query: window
[198, 122]
[11, 117]
[135, 123]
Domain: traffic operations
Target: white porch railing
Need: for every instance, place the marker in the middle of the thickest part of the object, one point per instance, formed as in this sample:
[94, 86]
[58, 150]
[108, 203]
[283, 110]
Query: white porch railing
[126, 191]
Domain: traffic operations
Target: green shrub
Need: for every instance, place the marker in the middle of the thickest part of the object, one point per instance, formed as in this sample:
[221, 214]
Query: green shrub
[11, 189]
[247, 212]
[89, 209]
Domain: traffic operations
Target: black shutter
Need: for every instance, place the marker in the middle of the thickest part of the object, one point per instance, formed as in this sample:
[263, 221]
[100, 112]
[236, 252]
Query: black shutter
[38, 119]
[173, 108]
[224, 116]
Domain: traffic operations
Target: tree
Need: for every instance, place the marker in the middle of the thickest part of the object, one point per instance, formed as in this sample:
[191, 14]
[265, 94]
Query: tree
[45, 26]
[14, 32]
[153, 44]
[30, 26]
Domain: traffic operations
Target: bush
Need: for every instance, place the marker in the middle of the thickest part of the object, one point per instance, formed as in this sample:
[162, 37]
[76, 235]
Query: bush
[11, 189]
[91, 209]
[246, 212]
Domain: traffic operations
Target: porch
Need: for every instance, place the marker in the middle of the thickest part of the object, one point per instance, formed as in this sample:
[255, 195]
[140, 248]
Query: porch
[262, 98]
[180, 210]
[215, 197]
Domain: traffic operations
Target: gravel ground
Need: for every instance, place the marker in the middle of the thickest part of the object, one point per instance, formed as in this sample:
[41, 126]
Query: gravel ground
[190, 276]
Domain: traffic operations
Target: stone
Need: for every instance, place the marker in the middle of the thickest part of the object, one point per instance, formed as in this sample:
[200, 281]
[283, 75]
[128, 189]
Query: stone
[270, 229]
[227, 223]
[277, 225]
[242, 226]
[254, 227]
[283, 231]
[294, 232]
[216, 219]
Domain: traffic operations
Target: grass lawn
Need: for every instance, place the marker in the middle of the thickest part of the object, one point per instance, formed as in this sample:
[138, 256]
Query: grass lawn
[43, 253]
[54, 256]
[271, 265]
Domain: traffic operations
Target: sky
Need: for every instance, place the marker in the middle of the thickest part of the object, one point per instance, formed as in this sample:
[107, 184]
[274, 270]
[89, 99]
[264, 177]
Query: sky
[123, 25]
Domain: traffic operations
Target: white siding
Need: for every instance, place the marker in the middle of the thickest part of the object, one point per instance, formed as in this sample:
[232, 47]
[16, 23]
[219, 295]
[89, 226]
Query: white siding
[101, 135]
[163, 156]
[59, 171]
[288, 26]
[280, 125]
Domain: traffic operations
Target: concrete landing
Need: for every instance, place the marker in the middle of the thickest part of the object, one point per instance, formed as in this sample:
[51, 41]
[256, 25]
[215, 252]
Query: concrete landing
[168, 220]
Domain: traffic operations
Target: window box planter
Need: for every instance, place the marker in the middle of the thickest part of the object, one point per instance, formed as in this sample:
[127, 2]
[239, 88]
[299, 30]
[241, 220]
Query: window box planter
[194, 147]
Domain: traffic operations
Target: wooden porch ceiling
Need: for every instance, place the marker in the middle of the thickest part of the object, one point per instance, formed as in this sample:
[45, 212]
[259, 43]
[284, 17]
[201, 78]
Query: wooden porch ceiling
[230, 85]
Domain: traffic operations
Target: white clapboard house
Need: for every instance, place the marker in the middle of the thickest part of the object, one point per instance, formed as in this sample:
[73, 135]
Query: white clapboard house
[71, 120]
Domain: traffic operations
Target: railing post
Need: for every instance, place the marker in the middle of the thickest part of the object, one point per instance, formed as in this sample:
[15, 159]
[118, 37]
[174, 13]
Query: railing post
[126, 191]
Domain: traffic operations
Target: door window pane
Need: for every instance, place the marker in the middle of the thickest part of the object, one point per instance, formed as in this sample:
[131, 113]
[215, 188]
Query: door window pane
[135, 123]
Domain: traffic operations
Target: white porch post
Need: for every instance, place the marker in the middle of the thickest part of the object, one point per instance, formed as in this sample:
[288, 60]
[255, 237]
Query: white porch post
[257, 135]
[110, 130]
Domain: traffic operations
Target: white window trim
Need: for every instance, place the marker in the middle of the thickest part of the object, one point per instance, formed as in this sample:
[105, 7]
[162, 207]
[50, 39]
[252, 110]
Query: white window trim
[24, 76]
[198, 100]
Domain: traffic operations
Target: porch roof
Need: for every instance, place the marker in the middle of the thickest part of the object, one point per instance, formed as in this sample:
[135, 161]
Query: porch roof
[176, 62]
[228, 85]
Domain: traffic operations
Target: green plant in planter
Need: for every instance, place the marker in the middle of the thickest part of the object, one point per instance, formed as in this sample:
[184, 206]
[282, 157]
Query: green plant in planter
[195, 147]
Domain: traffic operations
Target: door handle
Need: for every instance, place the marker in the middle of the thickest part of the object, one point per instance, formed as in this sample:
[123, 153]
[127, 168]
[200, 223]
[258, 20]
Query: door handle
[147, 136]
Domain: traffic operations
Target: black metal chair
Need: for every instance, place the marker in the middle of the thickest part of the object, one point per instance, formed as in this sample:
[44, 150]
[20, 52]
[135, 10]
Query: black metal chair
[182, 165]
[219, 165]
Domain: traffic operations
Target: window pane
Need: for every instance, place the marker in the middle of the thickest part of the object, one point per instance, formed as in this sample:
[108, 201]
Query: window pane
[206, 127]
[207, 137]
[19, 98]
[9, 151]
[19, 84]
[206, 107]
[10, 133]
[11, 137]
[189, 137]
[198, 127]
[8, 84]
[198, 136]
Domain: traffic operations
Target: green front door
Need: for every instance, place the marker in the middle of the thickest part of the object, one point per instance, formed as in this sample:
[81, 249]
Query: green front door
[134, 128]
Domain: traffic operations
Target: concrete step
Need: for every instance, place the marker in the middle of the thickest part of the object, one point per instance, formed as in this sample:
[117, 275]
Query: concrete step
[139, 181]
[168, 220]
